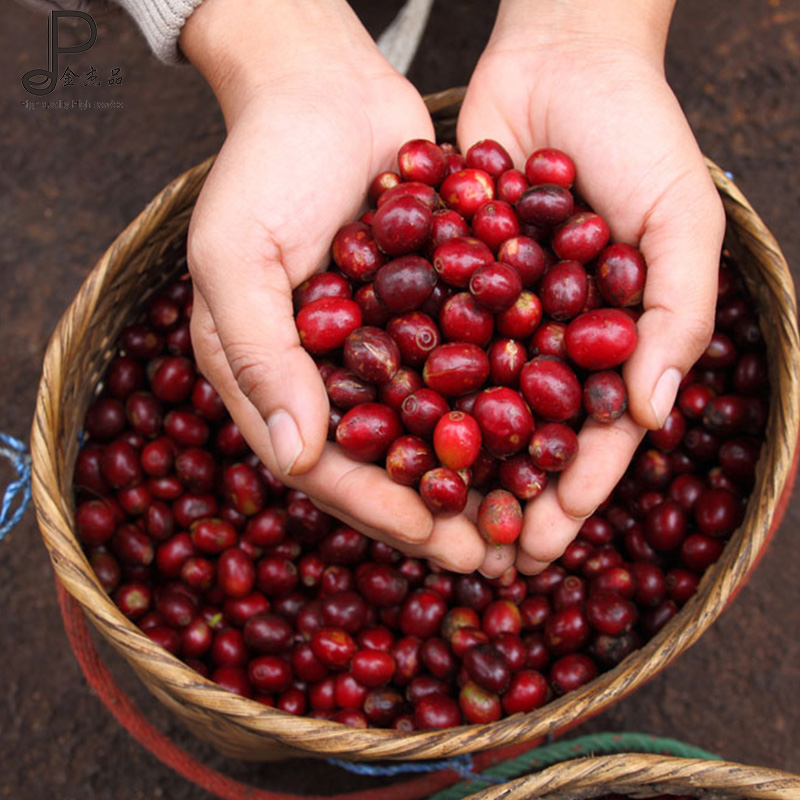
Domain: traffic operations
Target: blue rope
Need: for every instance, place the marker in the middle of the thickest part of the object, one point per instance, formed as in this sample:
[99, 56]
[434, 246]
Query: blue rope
[460, 764]
[17, 453]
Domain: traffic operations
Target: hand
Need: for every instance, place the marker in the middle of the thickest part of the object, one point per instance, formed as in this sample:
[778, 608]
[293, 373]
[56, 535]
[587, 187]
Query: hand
[587, 78]
[313, 113]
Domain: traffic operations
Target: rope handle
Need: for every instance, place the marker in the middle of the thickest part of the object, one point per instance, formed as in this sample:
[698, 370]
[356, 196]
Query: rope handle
[17, 495]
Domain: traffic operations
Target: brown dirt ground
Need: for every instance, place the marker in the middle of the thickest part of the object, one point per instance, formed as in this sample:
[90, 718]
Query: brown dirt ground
[71, 180]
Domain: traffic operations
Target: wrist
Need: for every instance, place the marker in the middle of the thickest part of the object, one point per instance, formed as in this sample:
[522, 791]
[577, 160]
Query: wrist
[244, 46]
[640, 27]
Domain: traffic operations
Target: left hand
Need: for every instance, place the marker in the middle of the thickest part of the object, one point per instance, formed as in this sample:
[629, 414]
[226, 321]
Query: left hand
[594, 87]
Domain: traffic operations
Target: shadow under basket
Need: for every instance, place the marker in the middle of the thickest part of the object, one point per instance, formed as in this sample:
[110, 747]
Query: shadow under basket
[148, 253]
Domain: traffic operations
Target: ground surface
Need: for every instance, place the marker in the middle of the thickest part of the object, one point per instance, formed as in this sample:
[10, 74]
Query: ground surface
[71, 179]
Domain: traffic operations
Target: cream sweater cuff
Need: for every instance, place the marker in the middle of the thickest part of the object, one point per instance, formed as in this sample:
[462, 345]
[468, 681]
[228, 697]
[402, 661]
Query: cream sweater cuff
[161, 22]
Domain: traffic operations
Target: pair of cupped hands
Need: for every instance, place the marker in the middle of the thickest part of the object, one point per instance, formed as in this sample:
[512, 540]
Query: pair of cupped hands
[314, 112]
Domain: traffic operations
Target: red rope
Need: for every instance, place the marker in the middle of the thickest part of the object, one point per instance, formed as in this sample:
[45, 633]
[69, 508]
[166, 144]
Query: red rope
[165, 750]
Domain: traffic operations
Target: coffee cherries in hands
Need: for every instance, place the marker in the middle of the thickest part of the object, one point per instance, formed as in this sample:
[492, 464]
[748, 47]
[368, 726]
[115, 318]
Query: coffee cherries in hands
[469, 322]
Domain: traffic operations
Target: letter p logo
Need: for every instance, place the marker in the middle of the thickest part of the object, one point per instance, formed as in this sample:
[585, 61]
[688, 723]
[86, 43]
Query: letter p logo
[43, 81]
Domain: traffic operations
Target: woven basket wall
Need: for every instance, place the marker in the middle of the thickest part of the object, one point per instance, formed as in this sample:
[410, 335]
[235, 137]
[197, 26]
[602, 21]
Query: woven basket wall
[638, 775]
[148, 253]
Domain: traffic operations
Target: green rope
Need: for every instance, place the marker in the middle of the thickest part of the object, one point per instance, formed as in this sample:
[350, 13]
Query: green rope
[592, 745]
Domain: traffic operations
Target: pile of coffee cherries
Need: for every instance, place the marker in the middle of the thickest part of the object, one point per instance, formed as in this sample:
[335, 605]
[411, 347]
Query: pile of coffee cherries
[474, 318]
[254, 587]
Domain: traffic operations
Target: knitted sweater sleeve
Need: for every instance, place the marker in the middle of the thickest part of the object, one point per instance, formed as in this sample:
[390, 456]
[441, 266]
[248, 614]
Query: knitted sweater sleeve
[160, 20]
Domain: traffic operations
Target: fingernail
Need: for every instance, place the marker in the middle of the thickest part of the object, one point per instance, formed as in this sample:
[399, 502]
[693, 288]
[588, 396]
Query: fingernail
[582, 518]
[286, 440]
[663, 397]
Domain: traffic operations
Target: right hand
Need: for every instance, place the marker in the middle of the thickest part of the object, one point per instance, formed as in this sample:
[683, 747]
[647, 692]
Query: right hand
[313, 112]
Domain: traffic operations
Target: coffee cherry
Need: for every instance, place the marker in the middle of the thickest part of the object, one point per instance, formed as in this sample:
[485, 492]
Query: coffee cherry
[443, 491]
[404, 284]
[571, 672]
[462, 319]
[367, 431]
[447, 224]
[421, 160]
[522, 319]
[323, 284]
[581, 237]
[620, 275]
[511, 185]
[457, 440]
[371, 354]
[566, 631]
[408, 459]
[610, 613]
[479, 705]
[564, 290]
[332, 647]
[605, 397]
[521, 477]
[495, 286]
[495, 222]
[551, 388]
[416, 334]
[467, 190]
[505, 421]
[553, 447]
[435, 712]
[401, 224]
[421, 411]
[600, 339]
[717, 512]
[457, 259]
[507, 357]
[546, 205]
[456, 369]
[549, 165]
[489, 156]
[325, 324]
[500, 517]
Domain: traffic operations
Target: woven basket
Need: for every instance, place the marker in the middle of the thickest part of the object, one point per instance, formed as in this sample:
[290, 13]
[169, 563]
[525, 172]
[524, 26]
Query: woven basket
[146, 255]
[639, 775]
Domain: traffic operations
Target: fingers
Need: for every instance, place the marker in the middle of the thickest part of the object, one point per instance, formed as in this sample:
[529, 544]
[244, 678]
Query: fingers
[482, 117]
[361, 493]
[604, 453]
[681, 244]
[546, 532]
[455, 544]
[365, 493]
[553, 520]
[254, 322]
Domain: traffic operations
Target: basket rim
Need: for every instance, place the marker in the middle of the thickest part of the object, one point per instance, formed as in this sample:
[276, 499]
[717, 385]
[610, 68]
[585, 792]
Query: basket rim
[54, 515]
[631, 773]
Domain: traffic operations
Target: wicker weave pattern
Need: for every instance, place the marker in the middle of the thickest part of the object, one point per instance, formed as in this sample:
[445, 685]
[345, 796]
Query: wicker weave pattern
[135, 266]
[636, 775]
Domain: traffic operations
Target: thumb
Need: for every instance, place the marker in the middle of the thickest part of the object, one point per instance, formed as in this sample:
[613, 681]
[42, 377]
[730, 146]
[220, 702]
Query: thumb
[250, 303]
[681, 244]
